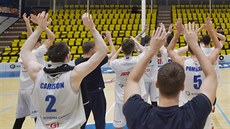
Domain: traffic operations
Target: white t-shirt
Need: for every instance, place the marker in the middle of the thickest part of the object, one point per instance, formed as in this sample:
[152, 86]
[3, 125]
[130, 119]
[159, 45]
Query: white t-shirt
[25, 81]
[57, 103]
[122, 67]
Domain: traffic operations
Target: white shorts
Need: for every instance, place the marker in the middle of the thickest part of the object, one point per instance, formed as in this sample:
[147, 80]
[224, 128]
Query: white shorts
[209, 124]
[152, 90]
[25, 106]
[119, 118]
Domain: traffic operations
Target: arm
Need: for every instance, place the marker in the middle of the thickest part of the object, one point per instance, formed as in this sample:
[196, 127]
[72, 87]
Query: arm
[28, 26]
[51, 38]
[175, 56]
[182, 50]
[29, 60]
[112, 48]
[170, 30]
[215, 54]
[156, 42]
[116, 54]
[201, 28]
[222, 38]
[83, 69]
[138, 46]
[209, 84]
[142, 32]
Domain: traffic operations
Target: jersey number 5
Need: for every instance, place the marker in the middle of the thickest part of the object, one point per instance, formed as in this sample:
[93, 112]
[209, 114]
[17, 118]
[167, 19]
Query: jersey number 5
[197, 81]
[52, 100]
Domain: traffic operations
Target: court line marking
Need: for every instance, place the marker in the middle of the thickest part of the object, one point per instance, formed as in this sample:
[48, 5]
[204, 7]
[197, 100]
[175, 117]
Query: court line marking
[110, 109]
[8, 108]
[221, 111]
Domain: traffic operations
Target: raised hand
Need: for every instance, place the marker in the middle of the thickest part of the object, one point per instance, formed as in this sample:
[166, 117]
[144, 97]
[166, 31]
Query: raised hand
[208, 24]
[42, 19]
[191, 33]
[179, 26]
[108, 35]
[87, 21]
[158, 37]
[170, 28]
[26, 19]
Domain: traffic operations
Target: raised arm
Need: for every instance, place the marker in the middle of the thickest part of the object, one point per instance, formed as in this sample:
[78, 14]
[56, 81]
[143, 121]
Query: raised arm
[116, 54]
[175, 56]
[138, 46]
[170, 30]
[215, 54]
[182, 50]
[29, 60]
[132, 87]
[112, 48]
[28, 26]
[209, 84]
[50, 34]
[83, 69]
[142, 32]
[222, 38]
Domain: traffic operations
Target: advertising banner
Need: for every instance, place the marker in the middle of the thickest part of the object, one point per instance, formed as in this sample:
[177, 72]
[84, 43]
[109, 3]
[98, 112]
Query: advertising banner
[10, 8]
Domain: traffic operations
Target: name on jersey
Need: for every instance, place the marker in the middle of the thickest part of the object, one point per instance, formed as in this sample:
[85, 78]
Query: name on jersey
[53, 86]
[190, 68]
[125, 73]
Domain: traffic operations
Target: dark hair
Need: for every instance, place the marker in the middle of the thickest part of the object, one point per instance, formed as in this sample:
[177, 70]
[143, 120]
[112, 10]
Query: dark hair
[169, 38]
[128, 46]
[87, 46]
[170, 79]
[58, 52]
[40, 39]
[206, 39]
[147, 39]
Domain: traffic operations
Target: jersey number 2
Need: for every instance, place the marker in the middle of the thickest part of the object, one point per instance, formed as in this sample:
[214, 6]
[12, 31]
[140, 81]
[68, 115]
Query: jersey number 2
[52, 100]
[197, 81]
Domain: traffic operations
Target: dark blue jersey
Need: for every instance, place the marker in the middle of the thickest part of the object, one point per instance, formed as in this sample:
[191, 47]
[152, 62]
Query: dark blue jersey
[94, 80]
[141, 115]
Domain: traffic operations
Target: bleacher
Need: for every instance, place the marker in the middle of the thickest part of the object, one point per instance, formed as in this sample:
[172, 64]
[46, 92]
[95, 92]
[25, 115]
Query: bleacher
[198, 14]
[118, 19]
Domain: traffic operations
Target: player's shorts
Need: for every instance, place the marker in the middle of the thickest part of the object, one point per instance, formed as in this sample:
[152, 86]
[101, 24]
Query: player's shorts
[209, 124]
[119, 118]
[152, 90]
[25, 106]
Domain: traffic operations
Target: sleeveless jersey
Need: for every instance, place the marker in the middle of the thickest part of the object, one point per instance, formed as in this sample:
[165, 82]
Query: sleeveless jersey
[207, 52]
[57, 104]
[193, 79]
[122, 68]
[25, 81]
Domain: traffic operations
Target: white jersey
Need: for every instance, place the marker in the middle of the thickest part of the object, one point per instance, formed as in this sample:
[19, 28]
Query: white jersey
[193, 79]
[207, 52]
[25, 81]
[122, 68]
[57, 104]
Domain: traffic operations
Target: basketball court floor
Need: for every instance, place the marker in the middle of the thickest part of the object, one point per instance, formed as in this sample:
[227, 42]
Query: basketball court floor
[9, 91]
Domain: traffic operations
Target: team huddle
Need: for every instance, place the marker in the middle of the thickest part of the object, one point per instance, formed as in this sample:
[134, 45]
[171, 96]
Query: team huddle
[62, 93]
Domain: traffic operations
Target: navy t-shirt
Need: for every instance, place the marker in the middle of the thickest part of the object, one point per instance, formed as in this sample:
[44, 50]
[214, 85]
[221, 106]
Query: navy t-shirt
[94, 80]
[141, 115]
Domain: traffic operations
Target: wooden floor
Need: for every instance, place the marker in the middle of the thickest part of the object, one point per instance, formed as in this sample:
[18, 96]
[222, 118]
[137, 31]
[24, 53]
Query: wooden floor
[9, 90]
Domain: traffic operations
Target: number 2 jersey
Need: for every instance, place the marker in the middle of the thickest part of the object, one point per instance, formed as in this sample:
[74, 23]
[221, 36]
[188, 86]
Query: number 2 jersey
[58, 105]
[193, 80]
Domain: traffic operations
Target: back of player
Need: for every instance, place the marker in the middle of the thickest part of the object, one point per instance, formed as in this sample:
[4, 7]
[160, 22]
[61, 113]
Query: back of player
[193, 80]
[64, 113]
[122, 68]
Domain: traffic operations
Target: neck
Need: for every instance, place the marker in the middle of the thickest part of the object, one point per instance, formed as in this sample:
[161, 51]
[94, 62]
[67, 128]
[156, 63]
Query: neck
[87, 55]
[207, 46]
[168, 101]
[128, 55]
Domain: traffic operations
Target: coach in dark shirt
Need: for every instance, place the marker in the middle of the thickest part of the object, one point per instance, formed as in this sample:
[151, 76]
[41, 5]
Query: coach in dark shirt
[93, 84]
[170, 81]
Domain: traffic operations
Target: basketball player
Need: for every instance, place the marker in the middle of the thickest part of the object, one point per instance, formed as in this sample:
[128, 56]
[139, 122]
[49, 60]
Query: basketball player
[122, 67]
[56, 91]
[94, 83]
[193, 71]
[170, 81]
[25, 105]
